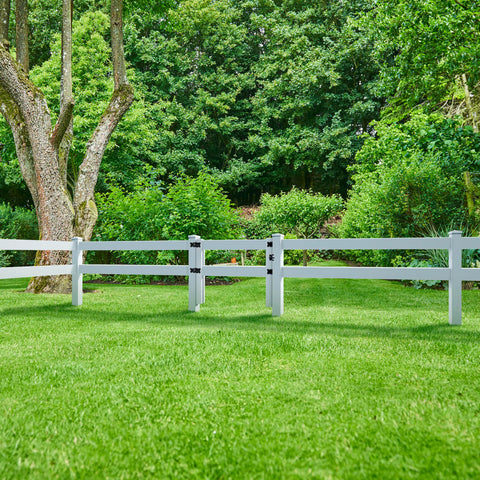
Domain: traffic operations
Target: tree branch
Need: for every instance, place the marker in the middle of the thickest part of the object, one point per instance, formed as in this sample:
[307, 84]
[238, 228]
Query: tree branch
[62, 124]
[11, 78]
[12, 115]
[468, 102]
[26, 111]
[120, 102]
[66, 79]
[461, 4]
[21, 22]
[66, 91]
[17, 85]
[4, 23]
[118, 55]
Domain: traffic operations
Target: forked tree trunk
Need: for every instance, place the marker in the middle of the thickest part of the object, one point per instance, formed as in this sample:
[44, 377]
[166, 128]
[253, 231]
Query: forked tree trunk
[42, 151]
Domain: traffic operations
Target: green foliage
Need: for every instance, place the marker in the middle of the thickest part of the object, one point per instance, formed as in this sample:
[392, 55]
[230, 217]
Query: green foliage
[408, 180]
[422, 48]
[439, 258]
[263, 94]
[314, 96]
[197, 206]
[191, 206]
[199, 82]
[17, 223]
[12, 186]
[45, 22]
[300, 212]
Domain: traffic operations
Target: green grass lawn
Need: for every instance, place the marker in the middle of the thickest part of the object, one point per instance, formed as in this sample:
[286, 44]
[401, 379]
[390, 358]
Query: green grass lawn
[358, 380]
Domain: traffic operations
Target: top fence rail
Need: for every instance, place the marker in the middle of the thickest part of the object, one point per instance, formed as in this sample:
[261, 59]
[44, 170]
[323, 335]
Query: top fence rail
[18, 245]
[368, 244]
[413, 243]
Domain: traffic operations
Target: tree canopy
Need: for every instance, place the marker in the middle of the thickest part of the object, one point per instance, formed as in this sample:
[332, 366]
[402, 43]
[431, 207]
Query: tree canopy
[263, 94]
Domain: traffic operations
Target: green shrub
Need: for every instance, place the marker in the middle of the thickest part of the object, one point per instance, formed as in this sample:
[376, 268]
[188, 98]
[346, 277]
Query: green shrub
[17, 223]
[197, 206]
[409, 180]
[191, 206]
[299, 212]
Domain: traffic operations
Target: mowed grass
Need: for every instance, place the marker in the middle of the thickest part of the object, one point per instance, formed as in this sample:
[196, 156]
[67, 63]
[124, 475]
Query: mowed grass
[358, 380]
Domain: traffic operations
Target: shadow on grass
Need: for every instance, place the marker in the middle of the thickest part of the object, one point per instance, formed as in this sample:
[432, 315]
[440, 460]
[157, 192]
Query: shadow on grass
[253, 322]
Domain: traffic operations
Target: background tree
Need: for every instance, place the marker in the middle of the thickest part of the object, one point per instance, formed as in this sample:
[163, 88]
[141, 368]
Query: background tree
[263, 94]
[42, 149]
[428, 55]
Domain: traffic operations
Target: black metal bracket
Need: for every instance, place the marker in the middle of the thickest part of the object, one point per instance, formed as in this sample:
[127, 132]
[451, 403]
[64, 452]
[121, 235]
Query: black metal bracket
[269, 271]
[271, 257]
[195, 270]
[195, 244]
[269, 244]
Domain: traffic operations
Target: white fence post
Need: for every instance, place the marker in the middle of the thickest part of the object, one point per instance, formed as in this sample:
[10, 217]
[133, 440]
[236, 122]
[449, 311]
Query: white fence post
[195, 273]
[77, 277]
[277, 275]
[202, 276]
[269, 266]
[455, 282]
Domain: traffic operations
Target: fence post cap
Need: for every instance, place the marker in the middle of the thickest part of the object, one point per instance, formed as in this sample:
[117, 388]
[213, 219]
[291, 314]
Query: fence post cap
[277, 235]
[77, 239]
[455, 232]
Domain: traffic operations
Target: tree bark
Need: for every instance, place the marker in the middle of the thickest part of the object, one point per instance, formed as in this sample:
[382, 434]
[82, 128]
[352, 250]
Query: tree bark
[4, 23]
[21, 22]
[472, 114]
[63, 132]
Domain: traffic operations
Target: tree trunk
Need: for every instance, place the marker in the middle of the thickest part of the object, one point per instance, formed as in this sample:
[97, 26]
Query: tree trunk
[42, 151]
[472, 114]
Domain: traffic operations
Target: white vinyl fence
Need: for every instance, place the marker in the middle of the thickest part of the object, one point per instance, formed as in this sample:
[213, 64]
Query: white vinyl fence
[274, 271]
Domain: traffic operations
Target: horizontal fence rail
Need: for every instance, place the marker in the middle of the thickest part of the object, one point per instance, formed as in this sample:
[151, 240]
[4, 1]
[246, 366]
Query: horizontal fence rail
[134, 269]
[25, 272]
[20, 245]
[132, 246]
[274, 270]
[368, 244]
[365, 273]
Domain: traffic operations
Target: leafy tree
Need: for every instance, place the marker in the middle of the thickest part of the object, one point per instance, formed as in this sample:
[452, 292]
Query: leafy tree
[428, 54]
[42, 149]
[313, 97]
[199, 82]
[264, 94]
